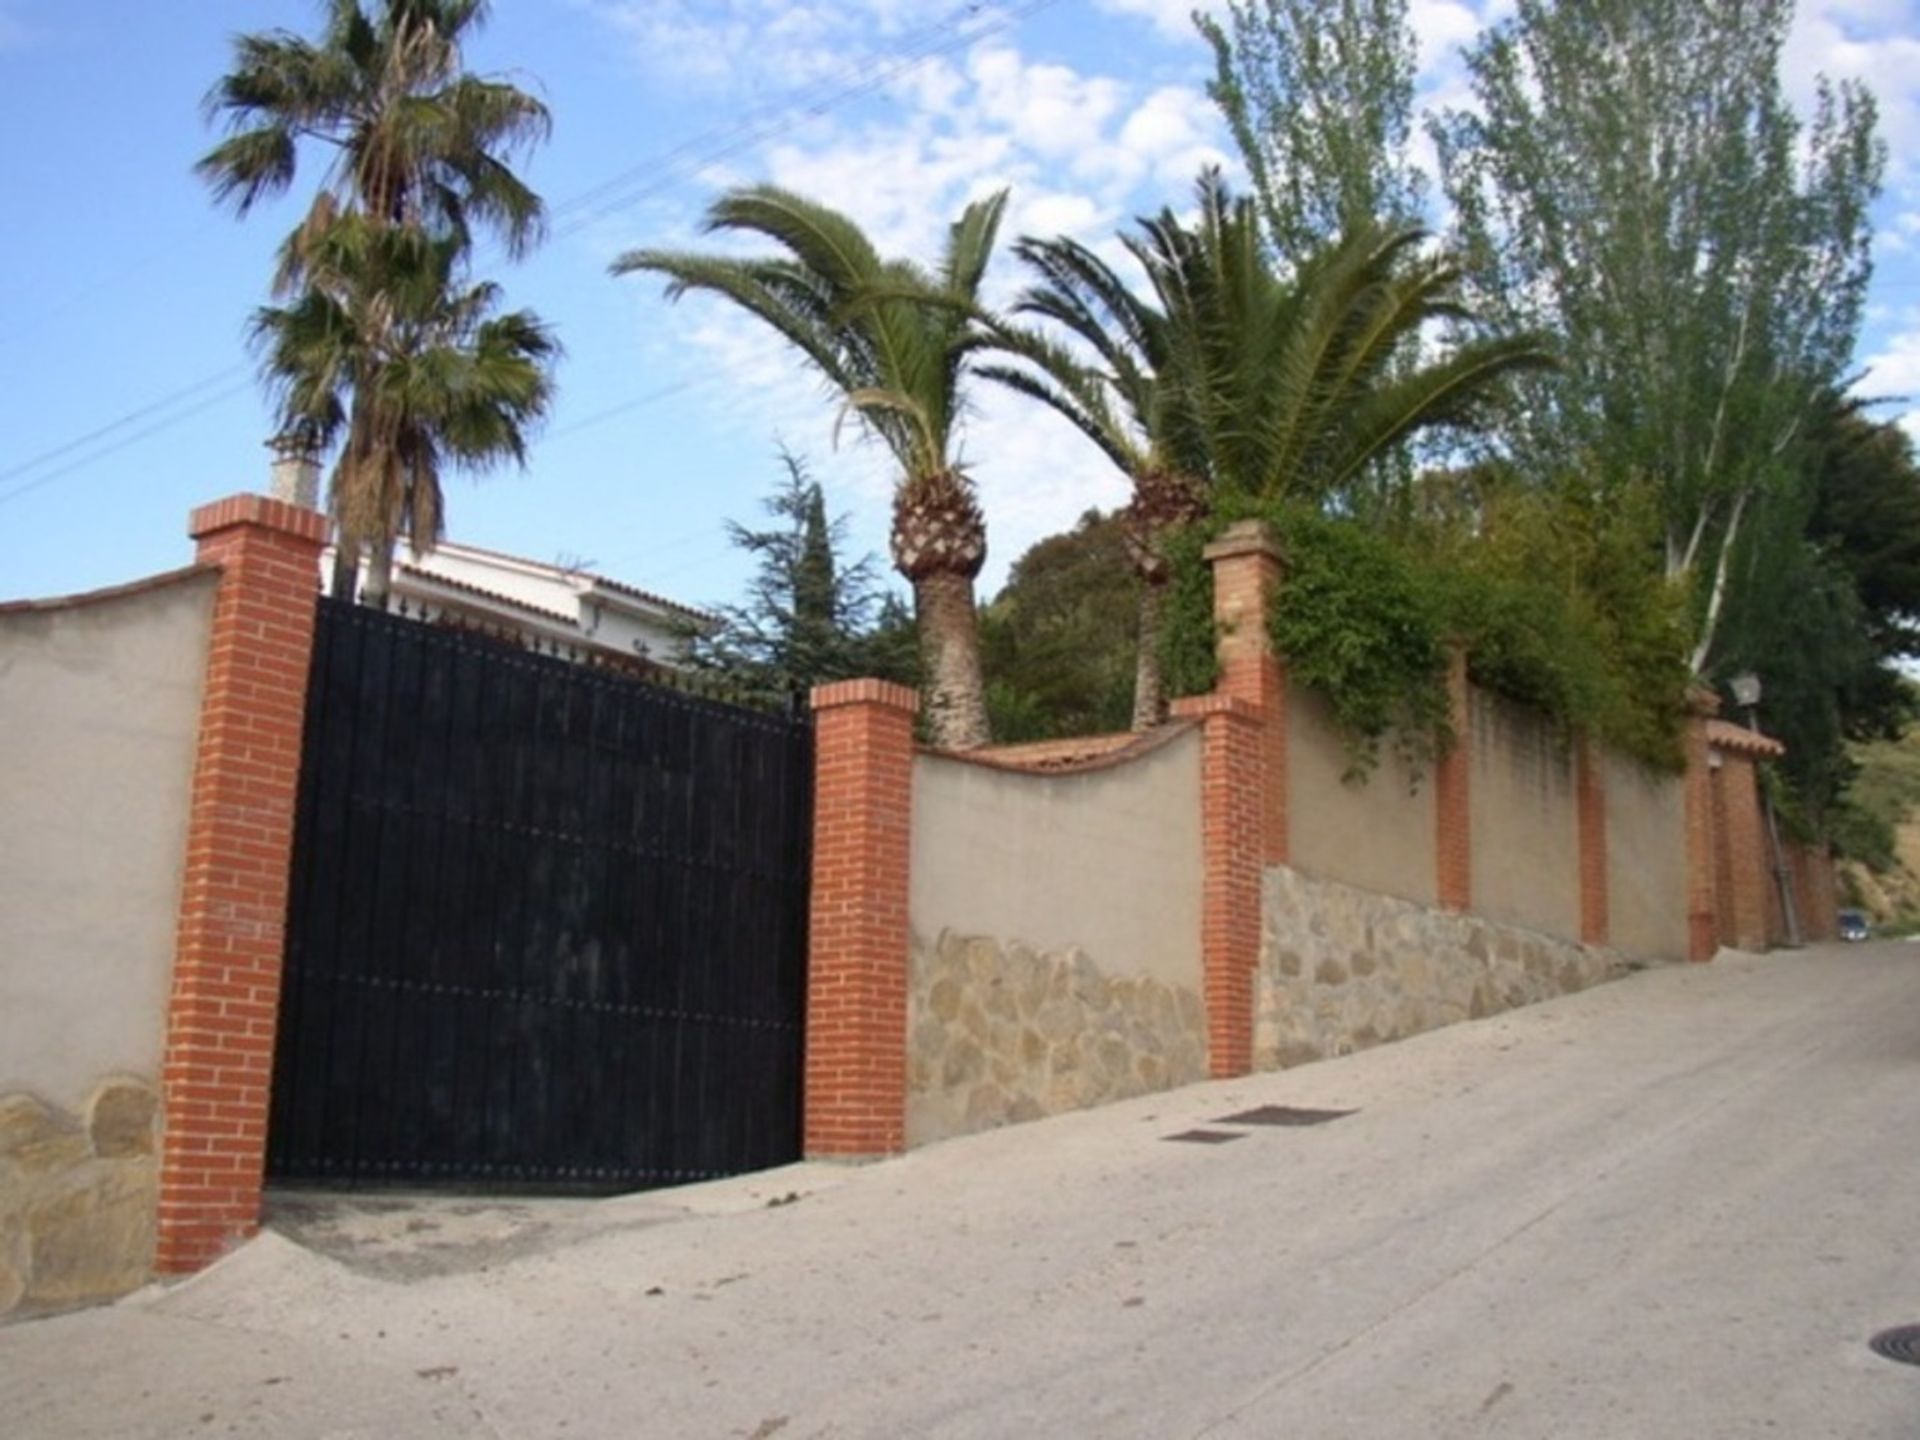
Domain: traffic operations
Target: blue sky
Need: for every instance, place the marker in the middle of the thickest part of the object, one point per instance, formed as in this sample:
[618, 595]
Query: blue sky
[127, 393]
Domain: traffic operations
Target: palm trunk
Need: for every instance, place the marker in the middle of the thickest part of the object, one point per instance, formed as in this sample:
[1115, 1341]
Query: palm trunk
[1149, 691]
[379, 584]
[939, 543]
[1163, 501]
[956, 695]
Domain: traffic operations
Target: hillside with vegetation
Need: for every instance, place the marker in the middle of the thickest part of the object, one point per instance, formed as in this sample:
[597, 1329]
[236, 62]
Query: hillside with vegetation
[1881, 834]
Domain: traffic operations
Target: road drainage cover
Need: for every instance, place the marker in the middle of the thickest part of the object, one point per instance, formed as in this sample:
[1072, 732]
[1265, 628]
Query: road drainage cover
[1281, 1115]
[1208, 1137]
[1901, 1343]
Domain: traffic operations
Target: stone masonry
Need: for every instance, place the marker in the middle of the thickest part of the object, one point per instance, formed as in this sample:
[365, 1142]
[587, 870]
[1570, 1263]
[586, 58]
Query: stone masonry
[1342, 969]
[77, 1196]
[999, 1033]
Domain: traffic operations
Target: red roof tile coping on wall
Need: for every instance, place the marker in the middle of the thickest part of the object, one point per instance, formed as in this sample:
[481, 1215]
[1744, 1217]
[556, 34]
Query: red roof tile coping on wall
[1074, 756]
[1742, 741]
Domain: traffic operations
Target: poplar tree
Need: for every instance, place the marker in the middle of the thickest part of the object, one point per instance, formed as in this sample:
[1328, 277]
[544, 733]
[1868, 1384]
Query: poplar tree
[1636, 182]
[1319, 97]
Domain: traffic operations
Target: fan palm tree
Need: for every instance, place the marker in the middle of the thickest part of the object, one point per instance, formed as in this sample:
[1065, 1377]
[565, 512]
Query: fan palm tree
[415, 140]
[385, 350]
[895, 340]
[418, 149]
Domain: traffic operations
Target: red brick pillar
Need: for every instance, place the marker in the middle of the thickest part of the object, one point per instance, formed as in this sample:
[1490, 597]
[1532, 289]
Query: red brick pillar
[1247, 570]
[1749, 864]
[1232, 842]
[1702, 924]
[856, 1066]
[226, 969]
[1452, 797]
[1590, 796]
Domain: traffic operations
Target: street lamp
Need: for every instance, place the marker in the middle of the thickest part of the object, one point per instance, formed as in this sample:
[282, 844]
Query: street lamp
[1746, 694]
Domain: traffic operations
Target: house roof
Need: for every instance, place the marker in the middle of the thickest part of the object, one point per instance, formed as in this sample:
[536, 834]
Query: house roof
[592, 580]
[510, 602]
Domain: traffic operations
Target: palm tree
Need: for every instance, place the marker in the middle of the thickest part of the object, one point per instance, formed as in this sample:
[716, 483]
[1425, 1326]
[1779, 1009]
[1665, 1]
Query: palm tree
[1297, 385]
[1132, 405]
[417, 150]
[415, 140]
[386, 350]
[895, 341]
[1232, 379]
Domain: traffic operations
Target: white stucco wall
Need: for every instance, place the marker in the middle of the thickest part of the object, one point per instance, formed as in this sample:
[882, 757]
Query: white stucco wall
[1107, 860]
[99, 712]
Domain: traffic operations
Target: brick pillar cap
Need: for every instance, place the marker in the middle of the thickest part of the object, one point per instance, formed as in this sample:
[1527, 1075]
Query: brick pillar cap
[1702, 701]
[260, 510]
[865, 692]
[1198, 707]
[1245, 537]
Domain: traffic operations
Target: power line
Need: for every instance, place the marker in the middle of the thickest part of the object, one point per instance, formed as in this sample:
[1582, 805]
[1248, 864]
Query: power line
[218, 398]
[132, 415]
[627, 188]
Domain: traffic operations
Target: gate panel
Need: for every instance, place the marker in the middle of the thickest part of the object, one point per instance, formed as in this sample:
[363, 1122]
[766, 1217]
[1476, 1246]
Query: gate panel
[547, 927]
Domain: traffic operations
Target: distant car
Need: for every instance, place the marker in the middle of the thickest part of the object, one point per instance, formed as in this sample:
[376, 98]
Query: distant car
[1853, 925]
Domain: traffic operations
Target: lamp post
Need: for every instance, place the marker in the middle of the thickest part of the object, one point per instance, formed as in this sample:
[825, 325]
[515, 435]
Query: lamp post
[1746, 694]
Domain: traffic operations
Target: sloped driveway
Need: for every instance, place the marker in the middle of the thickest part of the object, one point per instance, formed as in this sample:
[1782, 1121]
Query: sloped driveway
[1676, 1206]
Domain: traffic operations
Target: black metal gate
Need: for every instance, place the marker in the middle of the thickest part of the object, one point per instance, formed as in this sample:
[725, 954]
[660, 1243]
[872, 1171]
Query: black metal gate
[547, 926]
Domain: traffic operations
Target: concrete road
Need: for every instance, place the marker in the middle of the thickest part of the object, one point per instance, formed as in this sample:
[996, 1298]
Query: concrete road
[1676, 1206]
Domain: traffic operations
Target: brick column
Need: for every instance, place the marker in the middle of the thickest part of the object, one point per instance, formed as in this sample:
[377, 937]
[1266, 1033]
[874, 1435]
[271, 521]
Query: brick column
[1702, 925]
[1247, 567]
[856, 1047]
[1452, 799]
[1749, 865]
[226, 971]
[1590, 796]
[1232, 843]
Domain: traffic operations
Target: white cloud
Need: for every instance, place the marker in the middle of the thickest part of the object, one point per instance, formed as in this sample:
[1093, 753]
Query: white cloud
[1894, 370]
[1868, 40]
[746, 46]
[1172, 18]
[1440, 28]
[1082, 153]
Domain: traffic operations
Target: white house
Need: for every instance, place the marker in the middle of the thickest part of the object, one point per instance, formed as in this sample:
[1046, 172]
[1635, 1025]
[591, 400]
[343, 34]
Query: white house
[551, 606]
[568, 609]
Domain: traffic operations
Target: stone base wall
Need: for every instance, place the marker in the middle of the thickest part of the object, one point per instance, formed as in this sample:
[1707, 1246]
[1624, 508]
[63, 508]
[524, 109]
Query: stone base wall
[78, 1197]
[999, 1033]
[1342, 969]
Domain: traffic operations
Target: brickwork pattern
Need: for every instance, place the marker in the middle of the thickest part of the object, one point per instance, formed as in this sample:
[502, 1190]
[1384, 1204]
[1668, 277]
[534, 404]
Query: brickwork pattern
[1745, 865]
[856, 1051]
[226, 981]
[1247, 570]
[1452, 795]
[1816, 889]
[1702, 887]
[1590, 798]
[1233, 843]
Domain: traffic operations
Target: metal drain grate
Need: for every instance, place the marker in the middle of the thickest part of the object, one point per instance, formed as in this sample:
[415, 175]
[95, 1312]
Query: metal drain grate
[1901, 1343]
[1281, 1115]
[1207, 1137]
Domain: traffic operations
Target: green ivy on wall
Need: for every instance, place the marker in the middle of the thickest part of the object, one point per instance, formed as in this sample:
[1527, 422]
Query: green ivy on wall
[1364, 617]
